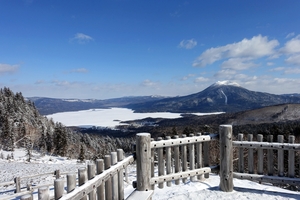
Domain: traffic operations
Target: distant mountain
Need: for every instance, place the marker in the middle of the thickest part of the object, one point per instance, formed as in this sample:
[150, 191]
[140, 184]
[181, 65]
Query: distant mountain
[223, 96]
[48, 106]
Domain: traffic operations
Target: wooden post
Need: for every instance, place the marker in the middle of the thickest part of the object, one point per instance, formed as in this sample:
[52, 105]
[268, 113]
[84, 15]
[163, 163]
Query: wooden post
[184, 159]
[143, 161]
[108, 186]
[226, 158]
[168, 161]
[120, 153]
[91, 175]
[291, 170]
[43, 193]
[71, 182]
[115, 179]
[199, 157]
[57, 174]
[250, 156]
[152, 164]
[192, 157]
[270, 158]
[26, 197]
[280, 158]
[58, 188]
[100, 189]
[177, 161]
[161, 163]
[17, 181]
[82, 178]
[260, 156]
[241, 154]
[206, 156]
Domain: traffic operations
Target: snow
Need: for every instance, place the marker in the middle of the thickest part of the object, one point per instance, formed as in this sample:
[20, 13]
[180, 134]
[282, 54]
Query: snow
[207, 189]
[107, 117]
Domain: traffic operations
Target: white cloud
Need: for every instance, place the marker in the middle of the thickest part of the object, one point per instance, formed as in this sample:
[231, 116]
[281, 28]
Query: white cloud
[292, 71]
[187, 77]
[225, 74]
[277, 69]
[237, 64]
[256, 47]
[201, 79]
[294, 59]
[188, 44]
[292, 46]
[148, 83]
[8, 69]
[290, 35]
[270, 63]
[82, 38]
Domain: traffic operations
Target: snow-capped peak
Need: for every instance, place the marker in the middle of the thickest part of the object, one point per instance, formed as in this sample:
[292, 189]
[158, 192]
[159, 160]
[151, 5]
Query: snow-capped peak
[218, 83]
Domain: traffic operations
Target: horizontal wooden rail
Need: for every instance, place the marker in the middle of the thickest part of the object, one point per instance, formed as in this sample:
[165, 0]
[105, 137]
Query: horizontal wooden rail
[16, 195]
[267, 179]
[89, 186]
[7, 183]
[182, 141]
[266, 145]
[179, 175]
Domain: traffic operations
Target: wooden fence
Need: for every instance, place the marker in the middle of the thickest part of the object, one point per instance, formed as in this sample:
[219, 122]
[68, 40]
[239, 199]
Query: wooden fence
[284, 152]
[102, 180]
[178, 159]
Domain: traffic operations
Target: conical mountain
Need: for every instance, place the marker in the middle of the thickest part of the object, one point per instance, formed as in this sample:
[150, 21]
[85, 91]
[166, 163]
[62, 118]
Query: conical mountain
[222, 96]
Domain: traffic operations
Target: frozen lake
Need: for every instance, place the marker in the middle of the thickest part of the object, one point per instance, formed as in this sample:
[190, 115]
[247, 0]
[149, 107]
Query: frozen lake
[108, 117]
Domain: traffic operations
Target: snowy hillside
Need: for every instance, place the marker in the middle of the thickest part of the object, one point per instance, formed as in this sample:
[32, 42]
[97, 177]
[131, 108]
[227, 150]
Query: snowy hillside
[207, 189]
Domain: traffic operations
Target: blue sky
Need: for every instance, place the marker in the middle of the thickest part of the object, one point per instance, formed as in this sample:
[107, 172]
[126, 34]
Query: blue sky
[113, 48]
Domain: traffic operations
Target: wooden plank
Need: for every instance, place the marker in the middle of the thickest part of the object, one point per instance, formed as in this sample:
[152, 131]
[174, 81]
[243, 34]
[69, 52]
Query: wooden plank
[267, 179]
[291, 169]
[184, 158]
[115, 179]
[71, 182]
[58, 188]
[226, 158]
[270, 156]
[250, 156]
[152, 164]
[241, 154]
[177, 160]
[206, 153]
[260, 155]
[168, 161]
[182, 141]
[199, 157]
[108, 182]
[100, 189]
[43, 193]
[280, 157]
[120, 153]
[266, 145]
[161, 163]
[180, 175]
[91, 175]
[192, 157]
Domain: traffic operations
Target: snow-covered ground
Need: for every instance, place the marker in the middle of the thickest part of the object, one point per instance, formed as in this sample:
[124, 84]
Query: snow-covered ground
[207, 189]
[108, 117]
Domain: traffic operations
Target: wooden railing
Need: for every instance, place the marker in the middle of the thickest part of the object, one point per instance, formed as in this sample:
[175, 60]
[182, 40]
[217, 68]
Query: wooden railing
[102, 180]
[176, 159]
[268, 175]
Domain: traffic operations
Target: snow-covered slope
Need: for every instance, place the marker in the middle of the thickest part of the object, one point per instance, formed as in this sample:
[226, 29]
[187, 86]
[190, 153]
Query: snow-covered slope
[207, 189]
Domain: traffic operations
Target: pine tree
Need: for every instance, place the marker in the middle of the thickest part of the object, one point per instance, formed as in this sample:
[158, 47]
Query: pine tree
[81, 156]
